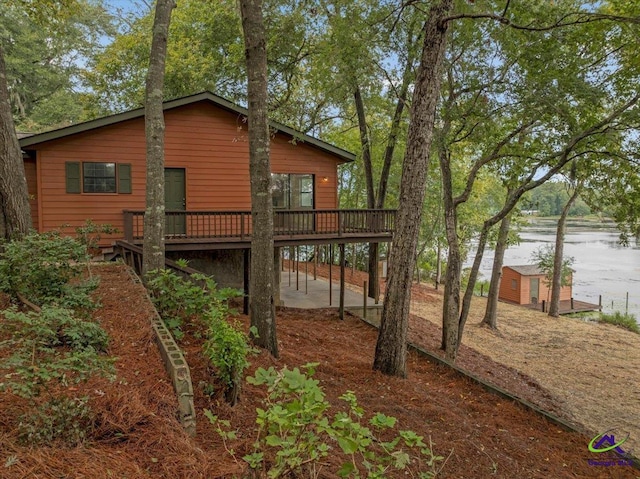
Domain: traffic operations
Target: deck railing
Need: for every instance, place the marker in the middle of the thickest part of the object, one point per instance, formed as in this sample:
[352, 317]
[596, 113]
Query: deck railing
[238, 225]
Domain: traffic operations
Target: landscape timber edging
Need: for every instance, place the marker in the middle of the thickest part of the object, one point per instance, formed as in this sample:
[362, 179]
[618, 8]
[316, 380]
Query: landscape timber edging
[567, 426]
[175, 365]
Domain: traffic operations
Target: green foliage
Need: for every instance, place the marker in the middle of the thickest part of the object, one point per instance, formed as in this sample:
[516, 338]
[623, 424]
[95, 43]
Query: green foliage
[60, 419]
[549, 199]
[178, 299]
[50, 347]
[295, 433]
[226, 348]
[481, 288]
[90, 233]
[294, 422]
[46, 45]
[624, 320]
[544, 258]
[46, 268]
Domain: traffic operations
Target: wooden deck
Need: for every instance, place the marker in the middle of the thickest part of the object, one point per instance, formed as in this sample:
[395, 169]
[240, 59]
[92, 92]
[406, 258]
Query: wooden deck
[566, 306]
[214, 230]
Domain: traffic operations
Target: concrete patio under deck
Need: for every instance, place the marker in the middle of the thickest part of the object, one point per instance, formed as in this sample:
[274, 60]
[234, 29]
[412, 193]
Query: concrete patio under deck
[309, 293]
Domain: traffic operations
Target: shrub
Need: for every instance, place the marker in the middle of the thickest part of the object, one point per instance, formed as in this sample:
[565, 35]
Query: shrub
[178, 299]
[624, 320]
[50, 346]
[60, 419]
[295, 426]
[90, 234]
[226, 348]
[45, 268]
[53, 347]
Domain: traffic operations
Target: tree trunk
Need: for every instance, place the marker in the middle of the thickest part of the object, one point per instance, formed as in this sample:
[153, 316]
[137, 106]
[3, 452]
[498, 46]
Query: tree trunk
[391, 347]
[473, 277]
[154, 215]
[490, 314]
[556, 281]
[15, 212]
[374, 248]
[263, 314]
[366, 147]
[374, 277]
[438, 265]
[451, 299]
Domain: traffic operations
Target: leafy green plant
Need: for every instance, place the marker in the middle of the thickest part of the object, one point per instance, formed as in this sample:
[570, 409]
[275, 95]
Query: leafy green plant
[90, 234]
[481, 288]
[50, 347]
[46, 269]
[295, 433]
[626, 321]
[226, 348]
[544, 257]
[61, 419]
[56, 346]
[178, 299]
[361, 441]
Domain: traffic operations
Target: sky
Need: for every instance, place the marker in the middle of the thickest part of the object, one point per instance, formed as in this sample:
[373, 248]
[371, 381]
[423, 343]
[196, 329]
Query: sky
[127, 6]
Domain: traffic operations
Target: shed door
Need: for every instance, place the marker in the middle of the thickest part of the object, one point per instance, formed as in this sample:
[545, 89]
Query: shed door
[175, 200]
[535, 290]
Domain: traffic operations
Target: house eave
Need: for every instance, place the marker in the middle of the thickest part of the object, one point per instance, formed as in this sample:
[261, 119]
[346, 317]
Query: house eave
[344, 155]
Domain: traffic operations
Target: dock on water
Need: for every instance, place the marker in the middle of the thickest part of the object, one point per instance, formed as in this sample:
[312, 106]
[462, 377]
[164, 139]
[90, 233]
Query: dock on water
[567, 306]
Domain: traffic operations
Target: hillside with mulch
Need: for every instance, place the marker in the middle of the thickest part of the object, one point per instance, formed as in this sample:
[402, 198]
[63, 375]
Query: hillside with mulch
[136, 433]
[585, 372]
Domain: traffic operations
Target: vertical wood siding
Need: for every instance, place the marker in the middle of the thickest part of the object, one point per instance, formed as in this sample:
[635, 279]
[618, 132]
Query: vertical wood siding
[522, 293]
[210, 143]
[506, 292]
[545, 291]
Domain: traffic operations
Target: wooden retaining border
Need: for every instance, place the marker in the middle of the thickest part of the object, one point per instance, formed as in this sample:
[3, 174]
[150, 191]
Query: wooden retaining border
[175, 365]
[498, 391]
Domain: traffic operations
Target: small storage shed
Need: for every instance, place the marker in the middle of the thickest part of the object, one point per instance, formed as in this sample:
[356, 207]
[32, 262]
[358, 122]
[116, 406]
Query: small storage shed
[525, 284]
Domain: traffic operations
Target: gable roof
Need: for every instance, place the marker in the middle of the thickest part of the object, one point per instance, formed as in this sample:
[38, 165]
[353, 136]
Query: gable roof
[527, 269]
[168, 105]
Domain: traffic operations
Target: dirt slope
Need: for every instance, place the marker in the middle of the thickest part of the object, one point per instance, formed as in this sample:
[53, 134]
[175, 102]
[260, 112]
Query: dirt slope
[137, 435]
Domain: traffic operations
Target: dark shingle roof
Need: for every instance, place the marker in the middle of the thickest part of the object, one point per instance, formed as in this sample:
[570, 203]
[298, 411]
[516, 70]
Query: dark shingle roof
[204, 96]
[527, 269]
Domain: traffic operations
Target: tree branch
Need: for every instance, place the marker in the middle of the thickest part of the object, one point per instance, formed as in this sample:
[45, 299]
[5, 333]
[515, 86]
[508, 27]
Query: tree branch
[582, 17]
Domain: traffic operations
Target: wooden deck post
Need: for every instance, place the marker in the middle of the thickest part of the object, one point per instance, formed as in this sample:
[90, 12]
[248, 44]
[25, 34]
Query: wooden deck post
[245, 280]
[330, 263]
[277, 256]
[128, 225]
[364, 300]
[316, 252]
[341, 245]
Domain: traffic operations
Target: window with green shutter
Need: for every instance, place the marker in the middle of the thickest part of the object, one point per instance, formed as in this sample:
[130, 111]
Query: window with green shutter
[72, 171]
[124, 178]
[92, 177]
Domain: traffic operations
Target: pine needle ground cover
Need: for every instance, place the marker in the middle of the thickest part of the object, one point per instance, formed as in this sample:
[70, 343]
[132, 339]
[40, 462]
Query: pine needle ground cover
[137, 435]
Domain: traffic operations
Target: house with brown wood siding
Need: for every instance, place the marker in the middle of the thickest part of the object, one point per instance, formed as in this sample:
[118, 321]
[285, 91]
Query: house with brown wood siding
[96, 171]
[526, 284]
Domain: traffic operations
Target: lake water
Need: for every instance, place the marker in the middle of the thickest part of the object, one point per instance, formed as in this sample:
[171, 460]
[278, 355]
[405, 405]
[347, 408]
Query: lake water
[602, 265]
